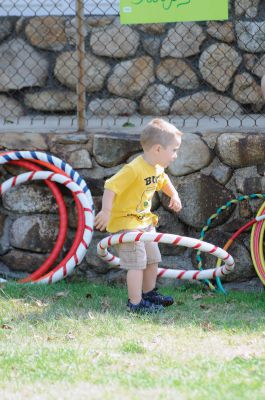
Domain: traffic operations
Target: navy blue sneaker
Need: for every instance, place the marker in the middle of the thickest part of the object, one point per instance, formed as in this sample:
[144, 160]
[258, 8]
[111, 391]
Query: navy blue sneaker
[144, 307]
[157, 298]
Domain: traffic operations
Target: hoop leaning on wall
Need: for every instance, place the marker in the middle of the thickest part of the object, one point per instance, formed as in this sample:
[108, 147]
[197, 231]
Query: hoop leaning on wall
[62, 173]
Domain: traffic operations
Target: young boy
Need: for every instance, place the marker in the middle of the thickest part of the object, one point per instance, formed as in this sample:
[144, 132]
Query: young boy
[126, 206]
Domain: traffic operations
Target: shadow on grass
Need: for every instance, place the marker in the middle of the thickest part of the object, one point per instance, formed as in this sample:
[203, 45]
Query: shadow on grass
[79, 300]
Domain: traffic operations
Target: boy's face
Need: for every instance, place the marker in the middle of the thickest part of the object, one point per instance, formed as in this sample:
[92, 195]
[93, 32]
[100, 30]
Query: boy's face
[165, 155]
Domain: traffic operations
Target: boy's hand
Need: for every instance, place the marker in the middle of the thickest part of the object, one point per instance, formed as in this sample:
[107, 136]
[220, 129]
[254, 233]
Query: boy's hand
[102, 219]
[175, 204]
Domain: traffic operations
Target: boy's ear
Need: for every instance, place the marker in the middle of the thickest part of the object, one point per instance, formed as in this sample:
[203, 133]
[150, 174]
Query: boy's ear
[156, 148]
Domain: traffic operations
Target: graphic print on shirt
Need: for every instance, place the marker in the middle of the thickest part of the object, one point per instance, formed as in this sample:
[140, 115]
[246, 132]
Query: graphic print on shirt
[146, 199]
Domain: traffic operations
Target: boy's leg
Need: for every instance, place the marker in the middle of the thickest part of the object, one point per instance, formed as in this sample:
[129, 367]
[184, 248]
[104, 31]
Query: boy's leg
[153, 257]
[133, 259]
[134, 285]
[136, 303]
[150, 292]
[149, 277]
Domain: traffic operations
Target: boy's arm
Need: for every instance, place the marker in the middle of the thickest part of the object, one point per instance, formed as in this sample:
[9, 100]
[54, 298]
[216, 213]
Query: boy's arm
[103, 217]
[170, 191]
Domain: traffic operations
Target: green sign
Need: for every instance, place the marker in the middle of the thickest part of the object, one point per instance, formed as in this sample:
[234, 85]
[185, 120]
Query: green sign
[155, 11]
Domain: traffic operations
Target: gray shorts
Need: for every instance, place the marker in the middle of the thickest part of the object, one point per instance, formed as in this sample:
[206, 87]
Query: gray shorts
[138, 255]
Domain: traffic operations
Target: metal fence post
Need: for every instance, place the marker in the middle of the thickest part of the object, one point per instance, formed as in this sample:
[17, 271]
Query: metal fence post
[80, 86]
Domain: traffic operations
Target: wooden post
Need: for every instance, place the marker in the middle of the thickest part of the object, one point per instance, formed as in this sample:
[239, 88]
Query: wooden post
[80, 87]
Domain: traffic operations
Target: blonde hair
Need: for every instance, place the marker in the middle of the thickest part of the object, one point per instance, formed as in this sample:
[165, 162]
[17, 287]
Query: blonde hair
[158, 131]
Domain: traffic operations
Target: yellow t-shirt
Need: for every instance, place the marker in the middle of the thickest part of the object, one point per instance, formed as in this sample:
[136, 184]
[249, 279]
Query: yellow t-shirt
[134, 186]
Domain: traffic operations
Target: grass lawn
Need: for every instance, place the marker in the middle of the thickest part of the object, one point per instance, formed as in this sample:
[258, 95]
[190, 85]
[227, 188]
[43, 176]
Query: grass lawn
[76, 341]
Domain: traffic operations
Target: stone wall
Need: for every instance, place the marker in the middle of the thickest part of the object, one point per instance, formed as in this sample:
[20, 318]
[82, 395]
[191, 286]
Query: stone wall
[211, 169]
[213, 68]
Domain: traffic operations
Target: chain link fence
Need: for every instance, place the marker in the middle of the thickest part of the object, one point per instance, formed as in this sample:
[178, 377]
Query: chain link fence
[73, 59]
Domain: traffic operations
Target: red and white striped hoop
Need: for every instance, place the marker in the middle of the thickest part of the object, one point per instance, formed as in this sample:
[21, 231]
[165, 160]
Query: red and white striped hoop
[174, 240]
[77, 257]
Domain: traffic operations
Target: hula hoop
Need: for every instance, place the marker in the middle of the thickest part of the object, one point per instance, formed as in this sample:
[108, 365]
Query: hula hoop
[238, 232]
[62, 168]
[174, 240]
[62, 224]
[256, 244]
[210, 220]
[79, 232]
[48, 160]
[68, 267]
